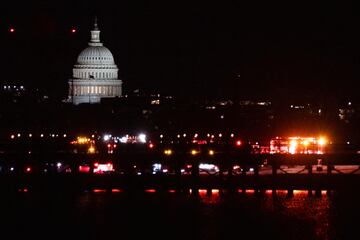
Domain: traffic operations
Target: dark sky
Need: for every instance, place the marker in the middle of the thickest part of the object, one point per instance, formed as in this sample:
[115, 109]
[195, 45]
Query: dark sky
[191, 49]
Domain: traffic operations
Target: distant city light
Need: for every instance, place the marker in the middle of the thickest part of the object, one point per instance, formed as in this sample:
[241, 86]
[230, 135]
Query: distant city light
[73, 30]
[156, 167]
[292, 147]
[102, 168]
[19, 135]
[207, 167]
[12, 30]
[107, 137]
[142, 138]
[124, 139]
[211, 152]
[322, 141]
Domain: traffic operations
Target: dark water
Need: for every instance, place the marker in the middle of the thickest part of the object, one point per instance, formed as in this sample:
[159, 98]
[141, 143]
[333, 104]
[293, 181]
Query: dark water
[120, 215]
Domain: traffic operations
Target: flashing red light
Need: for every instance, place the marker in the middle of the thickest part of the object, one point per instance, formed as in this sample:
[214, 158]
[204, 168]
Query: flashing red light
[238, 143]
[73, 30]
[109, 145]
[151, 145]
[114, 146]
[115, 190]
[150, 190]
[99, 190]
[12, 30]
[28, 169]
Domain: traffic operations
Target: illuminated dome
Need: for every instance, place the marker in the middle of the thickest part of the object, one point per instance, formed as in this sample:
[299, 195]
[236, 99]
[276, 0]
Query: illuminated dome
[95, 74]
[95, 55]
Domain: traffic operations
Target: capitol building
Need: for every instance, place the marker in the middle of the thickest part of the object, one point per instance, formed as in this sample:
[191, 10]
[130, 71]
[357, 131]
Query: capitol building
[95, 74]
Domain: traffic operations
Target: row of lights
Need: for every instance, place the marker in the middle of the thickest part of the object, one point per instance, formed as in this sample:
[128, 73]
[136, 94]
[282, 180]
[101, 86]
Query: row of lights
[193, 152]
[196, 135]
[12, 136]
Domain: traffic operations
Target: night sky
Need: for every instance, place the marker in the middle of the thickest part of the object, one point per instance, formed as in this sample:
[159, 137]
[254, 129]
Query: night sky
[226, 50]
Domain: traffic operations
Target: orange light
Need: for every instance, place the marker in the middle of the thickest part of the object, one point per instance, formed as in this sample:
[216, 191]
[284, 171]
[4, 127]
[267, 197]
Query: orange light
[194, 152]
[168, 152]
[211, 152]
[91, 150]
[82, 140]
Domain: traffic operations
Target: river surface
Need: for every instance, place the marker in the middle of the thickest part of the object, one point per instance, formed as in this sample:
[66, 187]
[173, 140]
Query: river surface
[121, 215]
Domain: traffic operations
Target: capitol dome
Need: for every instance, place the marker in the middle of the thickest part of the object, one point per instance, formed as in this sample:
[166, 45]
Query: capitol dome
[95, 74]
[95, 55]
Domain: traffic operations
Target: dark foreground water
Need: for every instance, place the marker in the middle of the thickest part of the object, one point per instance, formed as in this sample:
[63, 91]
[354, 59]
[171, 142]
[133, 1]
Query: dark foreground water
[120, 215]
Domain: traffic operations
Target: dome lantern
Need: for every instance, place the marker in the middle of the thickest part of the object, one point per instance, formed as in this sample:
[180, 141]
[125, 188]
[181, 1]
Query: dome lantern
[95, 35]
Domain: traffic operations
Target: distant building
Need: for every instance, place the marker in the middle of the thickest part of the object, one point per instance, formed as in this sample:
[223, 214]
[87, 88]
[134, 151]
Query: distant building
[95, 74]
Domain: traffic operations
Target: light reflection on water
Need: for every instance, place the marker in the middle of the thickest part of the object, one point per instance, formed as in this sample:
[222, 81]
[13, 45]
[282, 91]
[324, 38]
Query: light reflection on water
[302, 206]
[214, 214]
